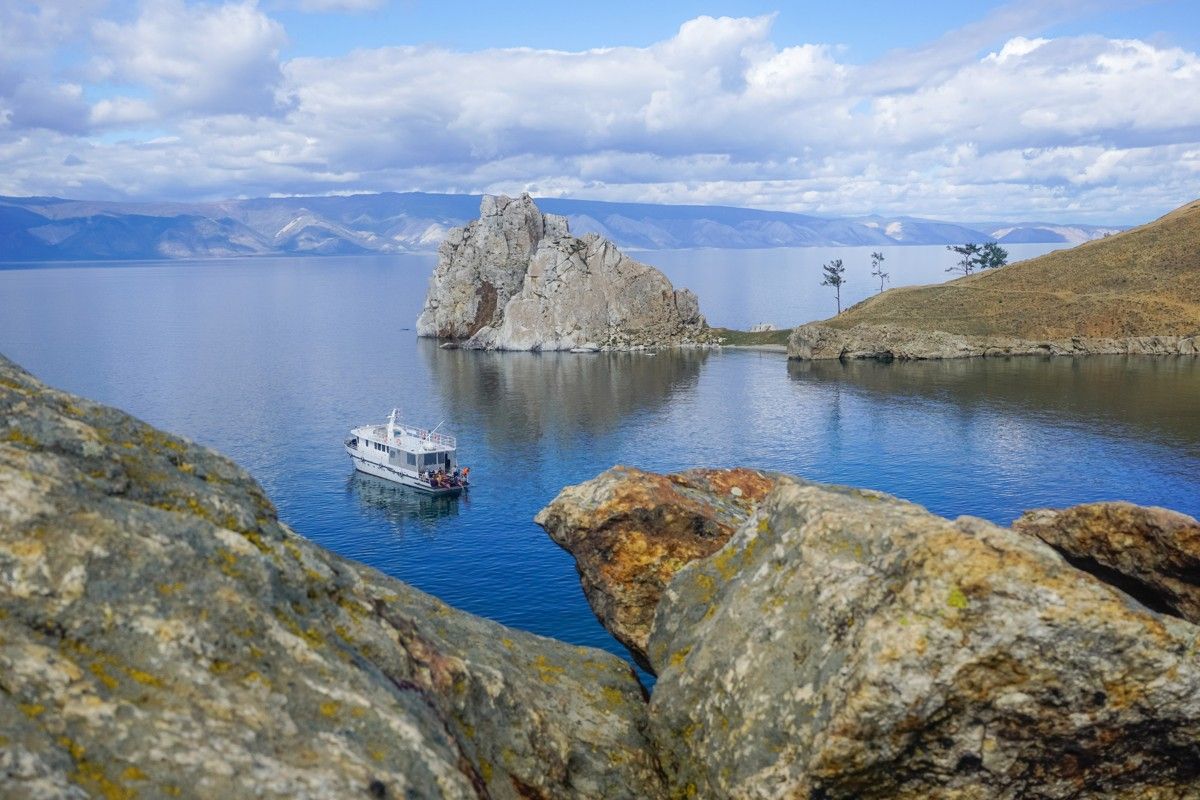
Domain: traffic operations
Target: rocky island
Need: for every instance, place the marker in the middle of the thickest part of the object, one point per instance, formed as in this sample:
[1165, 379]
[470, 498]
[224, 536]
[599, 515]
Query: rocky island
[516, 279]
[164, 634]
[1136, 292]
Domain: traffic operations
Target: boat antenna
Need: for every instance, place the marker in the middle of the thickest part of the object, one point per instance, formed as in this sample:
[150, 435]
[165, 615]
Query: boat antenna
[435, 427]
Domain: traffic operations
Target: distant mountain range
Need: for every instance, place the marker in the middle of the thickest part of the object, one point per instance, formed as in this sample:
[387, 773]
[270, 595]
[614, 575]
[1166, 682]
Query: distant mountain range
[50, 228]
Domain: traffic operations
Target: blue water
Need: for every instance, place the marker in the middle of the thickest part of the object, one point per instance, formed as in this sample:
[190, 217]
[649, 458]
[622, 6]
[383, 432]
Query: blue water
[272, 360]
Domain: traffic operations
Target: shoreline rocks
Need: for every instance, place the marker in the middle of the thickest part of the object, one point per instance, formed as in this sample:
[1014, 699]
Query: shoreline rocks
[162, 634]
[630, 531]
[516, 279]
[817, 341]
[847, 644]
[1153, 554]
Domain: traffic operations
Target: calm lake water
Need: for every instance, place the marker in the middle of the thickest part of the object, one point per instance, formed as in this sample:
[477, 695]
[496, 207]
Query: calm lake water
[272, 360]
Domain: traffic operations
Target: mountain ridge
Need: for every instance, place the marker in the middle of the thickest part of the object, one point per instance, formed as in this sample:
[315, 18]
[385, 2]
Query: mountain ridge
[54, 228]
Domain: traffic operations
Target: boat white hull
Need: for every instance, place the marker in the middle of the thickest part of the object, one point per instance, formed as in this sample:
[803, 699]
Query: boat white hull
[389, 473]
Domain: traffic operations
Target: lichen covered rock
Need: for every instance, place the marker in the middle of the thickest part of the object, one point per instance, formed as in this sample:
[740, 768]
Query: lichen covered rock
[845, 644]
[515, 279]
[162, 634]
[630, 531]
[1151, 553]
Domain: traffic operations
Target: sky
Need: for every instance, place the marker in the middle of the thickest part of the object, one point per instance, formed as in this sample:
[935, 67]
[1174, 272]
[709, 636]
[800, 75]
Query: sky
[1056, 111]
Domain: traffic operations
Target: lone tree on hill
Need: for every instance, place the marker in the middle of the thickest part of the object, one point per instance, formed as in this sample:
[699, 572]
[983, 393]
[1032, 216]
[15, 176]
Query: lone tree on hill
[977, 256]
[835, 276]
[877, 269]
[968, 257]
[992, 256]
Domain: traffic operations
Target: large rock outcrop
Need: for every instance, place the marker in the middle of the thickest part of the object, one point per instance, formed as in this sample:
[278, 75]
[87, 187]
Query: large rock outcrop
[846, 644]
[819, 342]
[630, 531]
[162, 634]
[515, 279]
[1152, 553]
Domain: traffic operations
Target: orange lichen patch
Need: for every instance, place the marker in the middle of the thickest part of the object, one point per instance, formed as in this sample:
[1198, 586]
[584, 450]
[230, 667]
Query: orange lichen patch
[752, 484]
[631, 532]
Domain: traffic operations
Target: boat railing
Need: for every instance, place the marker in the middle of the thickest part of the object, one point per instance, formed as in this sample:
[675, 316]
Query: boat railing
[433, 437]
[442, 439]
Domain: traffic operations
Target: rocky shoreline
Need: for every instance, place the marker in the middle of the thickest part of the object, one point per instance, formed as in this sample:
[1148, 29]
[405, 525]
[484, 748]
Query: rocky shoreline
[843, 643]
[817, 341]
[163, 634]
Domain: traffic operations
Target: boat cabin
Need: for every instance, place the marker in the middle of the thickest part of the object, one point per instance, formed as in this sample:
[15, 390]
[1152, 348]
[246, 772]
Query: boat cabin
[402, 449]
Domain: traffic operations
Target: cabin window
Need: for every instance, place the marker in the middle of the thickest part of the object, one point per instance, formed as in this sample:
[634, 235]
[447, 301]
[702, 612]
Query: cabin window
[411, 458]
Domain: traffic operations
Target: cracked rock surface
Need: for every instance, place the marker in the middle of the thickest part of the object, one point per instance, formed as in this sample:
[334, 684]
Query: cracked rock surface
[1152, 553]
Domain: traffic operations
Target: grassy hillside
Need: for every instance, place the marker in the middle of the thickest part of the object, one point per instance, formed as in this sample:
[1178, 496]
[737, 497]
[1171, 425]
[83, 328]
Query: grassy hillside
[1142, 282]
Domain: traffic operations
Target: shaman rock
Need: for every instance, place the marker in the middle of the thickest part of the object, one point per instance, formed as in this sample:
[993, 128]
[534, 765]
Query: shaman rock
[630, 531]
[846, 644]
[516, 279]
[1152, 553]
[482, 265]
[162, 634]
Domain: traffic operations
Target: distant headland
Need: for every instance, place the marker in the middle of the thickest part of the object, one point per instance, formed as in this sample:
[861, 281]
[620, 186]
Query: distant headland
[1136, 292]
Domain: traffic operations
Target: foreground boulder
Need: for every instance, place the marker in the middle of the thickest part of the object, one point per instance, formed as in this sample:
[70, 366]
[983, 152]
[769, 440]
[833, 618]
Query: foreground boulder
[1152, 553]
[630, 531]
[515, 279]
[163, 635]
[819, 342]
[848, 644]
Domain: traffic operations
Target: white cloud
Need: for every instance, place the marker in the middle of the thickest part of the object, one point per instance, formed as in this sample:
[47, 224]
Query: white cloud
[196, 59]
[1079, 128]
[121, 112]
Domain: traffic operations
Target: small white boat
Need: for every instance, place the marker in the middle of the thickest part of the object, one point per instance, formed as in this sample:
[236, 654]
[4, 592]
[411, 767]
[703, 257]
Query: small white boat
[425, 460]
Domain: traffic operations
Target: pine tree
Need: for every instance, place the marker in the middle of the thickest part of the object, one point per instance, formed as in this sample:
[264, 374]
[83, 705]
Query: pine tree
[969, 257]
[835, 276]
[877, 269]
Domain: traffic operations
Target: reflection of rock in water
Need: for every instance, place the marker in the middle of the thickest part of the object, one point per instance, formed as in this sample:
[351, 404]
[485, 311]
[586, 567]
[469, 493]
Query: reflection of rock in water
[523, 397]
[401, 506]
[1156, 396]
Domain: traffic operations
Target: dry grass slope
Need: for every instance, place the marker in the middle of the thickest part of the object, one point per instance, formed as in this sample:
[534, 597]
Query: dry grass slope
[1143, 282]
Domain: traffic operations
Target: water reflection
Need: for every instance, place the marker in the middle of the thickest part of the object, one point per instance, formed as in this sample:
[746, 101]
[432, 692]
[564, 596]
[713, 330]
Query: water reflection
[527, 397]
[1157, 398]
[402, 509]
